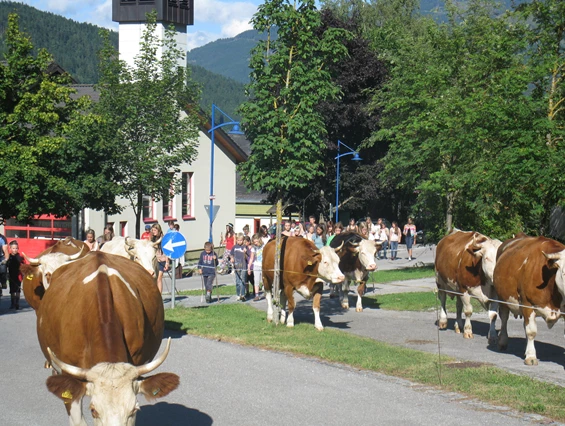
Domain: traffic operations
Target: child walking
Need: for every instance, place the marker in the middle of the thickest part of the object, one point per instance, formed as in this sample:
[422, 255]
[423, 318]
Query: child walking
[239, 258]
[14, 275]
[207, 268]
[256, 260]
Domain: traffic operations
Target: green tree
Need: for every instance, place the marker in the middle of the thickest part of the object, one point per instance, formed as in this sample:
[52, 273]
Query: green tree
[45, 170]
[148, 117]
[454, 101]
[289, 79]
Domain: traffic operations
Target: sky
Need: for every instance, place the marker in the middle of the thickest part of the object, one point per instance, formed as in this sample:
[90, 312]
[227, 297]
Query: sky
[213, 19]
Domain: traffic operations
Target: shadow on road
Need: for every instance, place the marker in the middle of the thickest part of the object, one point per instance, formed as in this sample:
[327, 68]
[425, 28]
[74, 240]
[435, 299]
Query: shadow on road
[164, 414]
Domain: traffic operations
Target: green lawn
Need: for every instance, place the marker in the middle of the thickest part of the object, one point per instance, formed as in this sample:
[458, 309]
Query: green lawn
[410, 273]
[245, 325]
[414, 301]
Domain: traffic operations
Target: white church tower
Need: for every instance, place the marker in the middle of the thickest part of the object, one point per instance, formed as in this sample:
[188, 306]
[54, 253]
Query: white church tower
[130, 14]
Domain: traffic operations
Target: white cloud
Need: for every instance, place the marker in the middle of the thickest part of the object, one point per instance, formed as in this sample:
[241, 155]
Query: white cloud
[200, 38]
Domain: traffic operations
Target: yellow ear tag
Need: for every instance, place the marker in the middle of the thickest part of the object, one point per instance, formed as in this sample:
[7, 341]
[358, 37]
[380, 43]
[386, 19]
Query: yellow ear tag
[309, 263]
[29, 277]
[67, 394]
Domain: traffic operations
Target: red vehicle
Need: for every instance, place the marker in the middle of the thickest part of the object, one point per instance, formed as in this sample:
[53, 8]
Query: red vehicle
[39, 234]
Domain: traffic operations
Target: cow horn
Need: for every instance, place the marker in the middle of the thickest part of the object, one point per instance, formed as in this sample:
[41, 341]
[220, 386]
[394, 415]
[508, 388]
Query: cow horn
[77, 372]
[69, 242]
[76, 255]
[156, 243]
[32, 261]
[129, 244]
[338, 248]
[148, 368]
[552, 255]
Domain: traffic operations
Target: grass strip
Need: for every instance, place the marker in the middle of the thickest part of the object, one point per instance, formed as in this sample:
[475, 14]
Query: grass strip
[245, 325]
[423, 301]
[409, 273]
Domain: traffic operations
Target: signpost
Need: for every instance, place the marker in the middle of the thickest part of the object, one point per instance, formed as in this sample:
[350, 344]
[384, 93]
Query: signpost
[173, 245]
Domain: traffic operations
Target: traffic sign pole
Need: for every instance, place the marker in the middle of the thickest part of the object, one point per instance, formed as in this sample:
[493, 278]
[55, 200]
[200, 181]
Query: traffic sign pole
[173, 245]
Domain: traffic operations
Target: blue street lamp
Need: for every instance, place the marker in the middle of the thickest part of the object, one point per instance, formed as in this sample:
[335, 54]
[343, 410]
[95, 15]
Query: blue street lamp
[234, 131]
[355, 158]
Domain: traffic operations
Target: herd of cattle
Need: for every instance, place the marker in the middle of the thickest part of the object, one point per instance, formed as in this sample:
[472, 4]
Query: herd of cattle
[117, 315]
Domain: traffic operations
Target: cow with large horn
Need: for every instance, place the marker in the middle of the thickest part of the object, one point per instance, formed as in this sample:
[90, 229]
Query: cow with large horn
[143, 252]
[464, 268]
[305, 269]
[530, 278]
[101, 323]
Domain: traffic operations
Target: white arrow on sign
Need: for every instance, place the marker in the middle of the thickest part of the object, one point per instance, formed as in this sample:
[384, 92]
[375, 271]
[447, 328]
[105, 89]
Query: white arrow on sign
[170, 246]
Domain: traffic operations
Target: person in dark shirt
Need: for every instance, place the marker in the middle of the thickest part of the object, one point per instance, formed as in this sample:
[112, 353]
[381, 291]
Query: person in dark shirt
[14, 274]
[239, 257]
[207, 268]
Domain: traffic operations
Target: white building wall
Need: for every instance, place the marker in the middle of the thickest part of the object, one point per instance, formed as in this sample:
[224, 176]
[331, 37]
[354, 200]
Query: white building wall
[196, 231]
[131, 33]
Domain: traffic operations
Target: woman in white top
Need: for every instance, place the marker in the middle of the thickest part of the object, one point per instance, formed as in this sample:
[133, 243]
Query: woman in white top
[394, 238]
[382, 237]
[91, 241]
[410, 236]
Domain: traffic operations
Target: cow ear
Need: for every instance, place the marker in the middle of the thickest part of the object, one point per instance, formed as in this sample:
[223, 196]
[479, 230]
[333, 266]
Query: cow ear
[158, 385]
[66, 388]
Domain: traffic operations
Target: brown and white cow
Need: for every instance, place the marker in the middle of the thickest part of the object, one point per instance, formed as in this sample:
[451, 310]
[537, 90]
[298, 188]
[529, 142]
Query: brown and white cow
[305, 269]
[356, 260]
[143, 252]
[530, 277]
[37, 274]
[464, 264]
[101, 322]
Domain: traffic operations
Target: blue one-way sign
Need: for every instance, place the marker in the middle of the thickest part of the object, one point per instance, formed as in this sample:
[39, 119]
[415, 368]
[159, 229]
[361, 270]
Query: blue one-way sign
[173, 245]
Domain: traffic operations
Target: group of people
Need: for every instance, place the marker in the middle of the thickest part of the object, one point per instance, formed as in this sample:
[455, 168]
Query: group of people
[243, 253]
[10, 261]
[389, 238]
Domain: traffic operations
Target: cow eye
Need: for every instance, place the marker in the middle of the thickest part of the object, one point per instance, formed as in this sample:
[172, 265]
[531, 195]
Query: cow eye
[94, 413]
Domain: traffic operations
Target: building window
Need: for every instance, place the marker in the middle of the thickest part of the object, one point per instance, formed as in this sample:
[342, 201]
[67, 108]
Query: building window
[148, 208]
[187, 194]
[169, 202]
[123, 229]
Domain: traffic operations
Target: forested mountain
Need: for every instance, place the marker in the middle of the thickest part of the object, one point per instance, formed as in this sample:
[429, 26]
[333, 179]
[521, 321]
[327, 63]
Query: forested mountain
[226, 93]
[73, 45]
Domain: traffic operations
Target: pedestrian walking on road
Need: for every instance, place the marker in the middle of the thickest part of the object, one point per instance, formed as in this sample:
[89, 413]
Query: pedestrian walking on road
[207, 268]
[395, 235]
[409, 234]
[15, 260]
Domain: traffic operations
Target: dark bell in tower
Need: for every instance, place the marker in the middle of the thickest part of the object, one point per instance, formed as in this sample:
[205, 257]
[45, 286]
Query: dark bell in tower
[169, 11]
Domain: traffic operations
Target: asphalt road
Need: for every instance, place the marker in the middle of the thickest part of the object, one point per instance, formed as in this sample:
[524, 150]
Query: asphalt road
[226, 384]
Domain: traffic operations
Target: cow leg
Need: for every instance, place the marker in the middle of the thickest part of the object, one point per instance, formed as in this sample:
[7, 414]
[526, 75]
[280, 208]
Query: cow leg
[443, 312]
[490, 306]
[289, 290]
[360, 293]
[317, 290]
[468, 311]
[531, 329]
[344, 294]
[283, 306]
[503, 335]
[75, 413]
[492, 315]
[458, 317]
[269, 299]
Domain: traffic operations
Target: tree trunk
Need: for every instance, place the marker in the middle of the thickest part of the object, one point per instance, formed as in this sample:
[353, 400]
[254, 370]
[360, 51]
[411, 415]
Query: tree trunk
[277, 278]
[137, 212]
[449, 212]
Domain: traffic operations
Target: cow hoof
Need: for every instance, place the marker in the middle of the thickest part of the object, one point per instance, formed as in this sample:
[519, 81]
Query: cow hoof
[269, 320]
[47, 364]
[492, 341]
[289, 325]
[320, 328]
[468, 335]
[502, 347]
[531, 361]
[442, 325]
[358, 309]
[345, 306]
[457, 329]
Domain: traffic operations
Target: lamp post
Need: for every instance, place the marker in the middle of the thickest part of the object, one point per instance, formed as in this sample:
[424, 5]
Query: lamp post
[235, 131]
[355, 158]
